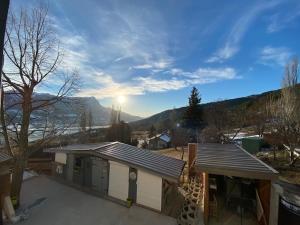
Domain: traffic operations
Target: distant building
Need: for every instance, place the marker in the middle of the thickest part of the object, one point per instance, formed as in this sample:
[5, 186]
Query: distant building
[159, 141]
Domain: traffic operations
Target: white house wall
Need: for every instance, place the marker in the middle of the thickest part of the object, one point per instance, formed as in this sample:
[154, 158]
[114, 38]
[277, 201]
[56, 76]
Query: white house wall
[61, 158]
[118, 180]
[149, 190]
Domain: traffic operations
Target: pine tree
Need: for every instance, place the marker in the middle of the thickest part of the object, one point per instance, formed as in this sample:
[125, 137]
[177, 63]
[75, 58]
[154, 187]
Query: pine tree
[193, 114]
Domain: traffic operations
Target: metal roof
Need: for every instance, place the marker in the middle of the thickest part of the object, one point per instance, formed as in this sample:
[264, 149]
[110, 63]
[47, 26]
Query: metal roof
[165, 137]
[232, 160]
[164, 166]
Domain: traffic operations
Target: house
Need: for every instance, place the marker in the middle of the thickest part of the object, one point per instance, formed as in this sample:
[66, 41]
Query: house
[120, 172]
[159, 141]
[236, 186]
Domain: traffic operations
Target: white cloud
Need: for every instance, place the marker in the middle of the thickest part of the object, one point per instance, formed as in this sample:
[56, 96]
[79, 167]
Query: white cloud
[280, 21]
[154, 85]
[107, 87]
[130, 43]
[156, 66]
[143, 66]
[275, 55]
[237, 32]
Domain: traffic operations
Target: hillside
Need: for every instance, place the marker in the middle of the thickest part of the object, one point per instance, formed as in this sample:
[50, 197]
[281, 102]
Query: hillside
[68, 110]
[162, 120]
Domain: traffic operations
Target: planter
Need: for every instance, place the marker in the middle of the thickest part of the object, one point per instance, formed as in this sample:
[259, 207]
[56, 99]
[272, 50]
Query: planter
[129, 202]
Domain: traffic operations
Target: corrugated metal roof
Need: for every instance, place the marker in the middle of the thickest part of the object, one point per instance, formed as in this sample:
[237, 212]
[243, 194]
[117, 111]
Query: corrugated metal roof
[144, 158]
[159, 164]
[4, 157]
[232, 160]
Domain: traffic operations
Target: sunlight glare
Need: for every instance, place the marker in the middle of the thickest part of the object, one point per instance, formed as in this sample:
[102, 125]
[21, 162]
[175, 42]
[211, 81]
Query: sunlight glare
[121, 99]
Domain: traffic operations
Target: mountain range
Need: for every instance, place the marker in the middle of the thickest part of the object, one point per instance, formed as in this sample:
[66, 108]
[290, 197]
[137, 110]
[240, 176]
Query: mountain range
[69, 109]
[161, 121]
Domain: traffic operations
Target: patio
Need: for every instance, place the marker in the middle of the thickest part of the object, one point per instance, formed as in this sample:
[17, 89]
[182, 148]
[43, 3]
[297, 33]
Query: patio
[53, 203]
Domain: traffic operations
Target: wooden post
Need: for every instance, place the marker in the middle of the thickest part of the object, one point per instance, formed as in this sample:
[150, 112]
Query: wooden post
[205, 197]
[264, 193]
[192, 148]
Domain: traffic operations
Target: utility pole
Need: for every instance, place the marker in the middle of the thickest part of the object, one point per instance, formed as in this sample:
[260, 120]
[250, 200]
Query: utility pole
[4, 4]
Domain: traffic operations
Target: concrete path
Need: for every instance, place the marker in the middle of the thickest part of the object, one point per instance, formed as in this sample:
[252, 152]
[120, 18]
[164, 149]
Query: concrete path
[65, 205]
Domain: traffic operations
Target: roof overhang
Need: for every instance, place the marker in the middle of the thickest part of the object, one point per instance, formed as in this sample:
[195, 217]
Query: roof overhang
[232, 160]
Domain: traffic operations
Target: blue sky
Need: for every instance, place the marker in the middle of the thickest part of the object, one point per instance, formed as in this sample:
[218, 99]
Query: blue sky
[153, 52]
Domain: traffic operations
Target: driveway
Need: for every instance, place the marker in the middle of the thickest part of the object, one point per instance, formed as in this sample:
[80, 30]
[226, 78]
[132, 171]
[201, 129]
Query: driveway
[61, 205]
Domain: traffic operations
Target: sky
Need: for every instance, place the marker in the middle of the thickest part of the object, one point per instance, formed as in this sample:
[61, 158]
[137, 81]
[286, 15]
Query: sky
[154, 52]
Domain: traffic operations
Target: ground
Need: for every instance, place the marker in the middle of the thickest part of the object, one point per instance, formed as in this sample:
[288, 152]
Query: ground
[281, 164]
[65, 205]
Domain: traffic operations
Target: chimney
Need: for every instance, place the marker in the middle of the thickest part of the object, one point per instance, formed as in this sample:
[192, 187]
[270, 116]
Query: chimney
[192, 150]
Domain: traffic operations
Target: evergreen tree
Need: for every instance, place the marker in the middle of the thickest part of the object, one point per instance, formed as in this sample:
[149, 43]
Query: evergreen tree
[193, 115]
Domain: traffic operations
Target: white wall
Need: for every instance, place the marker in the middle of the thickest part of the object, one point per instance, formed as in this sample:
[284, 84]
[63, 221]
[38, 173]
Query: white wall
[61, 158]
[149, 190]
[118, 180]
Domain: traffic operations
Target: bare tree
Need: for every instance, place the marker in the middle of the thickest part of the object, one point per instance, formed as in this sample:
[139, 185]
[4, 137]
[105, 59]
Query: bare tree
[32, 58]
[222, 120]
[257, 116]
[179, 138]
[285, 111]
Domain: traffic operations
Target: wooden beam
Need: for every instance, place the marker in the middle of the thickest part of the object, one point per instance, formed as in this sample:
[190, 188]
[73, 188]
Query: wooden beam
[205, 197]
[237, 173]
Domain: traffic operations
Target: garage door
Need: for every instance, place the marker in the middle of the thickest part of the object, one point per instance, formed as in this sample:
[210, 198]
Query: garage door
[118, 180]
[149, 188]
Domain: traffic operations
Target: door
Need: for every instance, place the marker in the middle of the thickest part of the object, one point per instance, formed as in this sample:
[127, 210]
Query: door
[118, 180]
[149, 190]
[78, 170]
[99, 175]
[132, 184]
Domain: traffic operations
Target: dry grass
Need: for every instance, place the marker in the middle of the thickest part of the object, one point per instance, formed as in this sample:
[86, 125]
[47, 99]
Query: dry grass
[281, 164]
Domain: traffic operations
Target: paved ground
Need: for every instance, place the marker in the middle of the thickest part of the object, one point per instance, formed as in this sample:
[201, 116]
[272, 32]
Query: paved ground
[65, 205]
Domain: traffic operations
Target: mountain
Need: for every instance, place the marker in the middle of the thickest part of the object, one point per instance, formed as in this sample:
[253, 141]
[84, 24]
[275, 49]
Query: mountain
[162, 120]
[68, 110]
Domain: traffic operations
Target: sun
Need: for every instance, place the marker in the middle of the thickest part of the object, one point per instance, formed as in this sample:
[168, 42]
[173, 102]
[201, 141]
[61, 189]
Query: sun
[121, 99]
